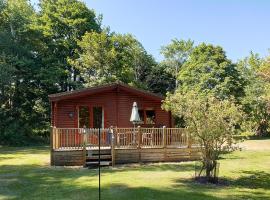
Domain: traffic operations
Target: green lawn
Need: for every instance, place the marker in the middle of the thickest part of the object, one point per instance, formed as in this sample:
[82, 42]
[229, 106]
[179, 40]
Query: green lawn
[25, 174]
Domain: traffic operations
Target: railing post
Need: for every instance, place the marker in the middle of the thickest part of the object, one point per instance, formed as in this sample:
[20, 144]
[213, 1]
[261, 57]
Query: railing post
[56, 142]
[116, 137]
[189, 142]
[139, 137]
[84, 146]
[112, 145]
[164, 136]
[51, 145]
[139, 143]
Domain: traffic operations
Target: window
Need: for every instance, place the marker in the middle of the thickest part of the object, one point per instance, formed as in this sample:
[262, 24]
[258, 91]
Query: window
[84, 117]
[147, 116]
[141, 114]
[150, 117]
[98, 117]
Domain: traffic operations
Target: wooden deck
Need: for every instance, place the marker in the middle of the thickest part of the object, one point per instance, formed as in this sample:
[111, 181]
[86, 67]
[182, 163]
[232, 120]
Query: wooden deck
[74, 146]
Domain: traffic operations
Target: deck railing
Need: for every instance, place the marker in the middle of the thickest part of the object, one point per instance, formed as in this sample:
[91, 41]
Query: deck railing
[77, 138]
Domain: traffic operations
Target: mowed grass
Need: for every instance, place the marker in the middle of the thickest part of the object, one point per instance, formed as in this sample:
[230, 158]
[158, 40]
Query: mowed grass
[25, 174]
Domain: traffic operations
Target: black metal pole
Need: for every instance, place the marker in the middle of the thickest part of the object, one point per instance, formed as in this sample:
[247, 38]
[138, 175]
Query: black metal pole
[99, 192]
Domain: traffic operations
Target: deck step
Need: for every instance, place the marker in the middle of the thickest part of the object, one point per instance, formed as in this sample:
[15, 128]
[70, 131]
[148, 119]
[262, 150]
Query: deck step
[95, 163]
[95, 157]
[96, 152]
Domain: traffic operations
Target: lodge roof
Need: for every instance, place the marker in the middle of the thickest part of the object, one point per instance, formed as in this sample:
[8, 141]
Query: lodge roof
[102, 88]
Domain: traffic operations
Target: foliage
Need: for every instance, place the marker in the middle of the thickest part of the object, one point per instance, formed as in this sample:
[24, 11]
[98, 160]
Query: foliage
[211, 122]
[264, 73]
[159, 80]
[41, 53]
[254, 102]
[209, 70]
[18, 71]
[33, 61]
[108, 57]
[61, 23]
[61, 46]
[176, 54]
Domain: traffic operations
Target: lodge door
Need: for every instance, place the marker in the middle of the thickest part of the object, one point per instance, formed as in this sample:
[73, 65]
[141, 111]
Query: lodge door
[90, 116]
[98, 117]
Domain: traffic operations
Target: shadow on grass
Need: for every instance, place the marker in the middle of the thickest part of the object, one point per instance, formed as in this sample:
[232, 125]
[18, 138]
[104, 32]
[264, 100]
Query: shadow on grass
[24, 150]
[48, 183]
[248, 182]
[253, 180]
[175, 167]
[33, 181]
[37, 182]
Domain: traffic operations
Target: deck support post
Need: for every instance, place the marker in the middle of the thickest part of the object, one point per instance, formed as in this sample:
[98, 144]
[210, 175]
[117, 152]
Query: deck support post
[112, 145]
[84, 147]
[51, 145]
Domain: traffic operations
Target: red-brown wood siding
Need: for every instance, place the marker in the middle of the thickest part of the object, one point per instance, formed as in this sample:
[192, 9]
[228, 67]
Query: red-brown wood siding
[117, 105]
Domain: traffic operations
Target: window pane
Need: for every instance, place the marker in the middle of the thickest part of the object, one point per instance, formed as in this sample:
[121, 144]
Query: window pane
[84, 117]
[150, 116]
[98, 117]
[141, 114]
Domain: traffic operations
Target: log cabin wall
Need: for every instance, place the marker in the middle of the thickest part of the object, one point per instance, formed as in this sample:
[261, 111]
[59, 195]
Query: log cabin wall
[117, 105]
[125, 102]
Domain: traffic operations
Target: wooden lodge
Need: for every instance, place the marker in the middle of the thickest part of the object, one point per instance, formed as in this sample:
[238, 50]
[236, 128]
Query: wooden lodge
[78, 117]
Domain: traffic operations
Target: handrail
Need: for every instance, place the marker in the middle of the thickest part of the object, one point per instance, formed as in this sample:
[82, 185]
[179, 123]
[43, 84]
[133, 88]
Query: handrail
[73, 138]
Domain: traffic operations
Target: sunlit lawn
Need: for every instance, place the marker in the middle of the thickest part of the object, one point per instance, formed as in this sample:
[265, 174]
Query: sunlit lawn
[25, 174]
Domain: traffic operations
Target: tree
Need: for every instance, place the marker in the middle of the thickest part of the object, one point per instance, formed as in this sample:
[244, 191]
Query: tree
[254, 101]
[210, 121]
[108, 57]
[209, 70]
[60, 24]
[264, 72]
[33, 61]
[176, 54]
[159, 80]
[18, 85]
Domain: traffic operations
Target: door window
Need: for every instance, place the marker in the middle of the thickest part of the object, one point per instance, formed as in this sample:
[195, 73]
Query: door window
[98, 117]
[83, 117]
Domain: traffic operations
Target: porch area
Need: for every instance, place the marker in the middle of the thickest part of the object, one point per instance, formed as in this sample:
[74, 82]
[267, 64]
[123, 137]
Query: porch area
[79, 146]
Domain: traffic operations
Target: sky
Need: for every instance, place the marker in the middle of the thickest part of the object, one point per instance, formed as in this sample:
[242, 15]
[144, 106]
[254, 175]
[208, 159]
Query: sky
[239, 26]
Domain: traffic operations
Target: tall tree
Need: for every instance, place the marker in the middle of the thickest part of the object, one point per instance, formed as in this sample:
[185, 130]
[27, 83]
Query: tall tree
[33, 61]
[61, 23]
[107, 57]
[18, 70]
[176, 54]
[209, 70]
[255, 101]
[159, 80]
